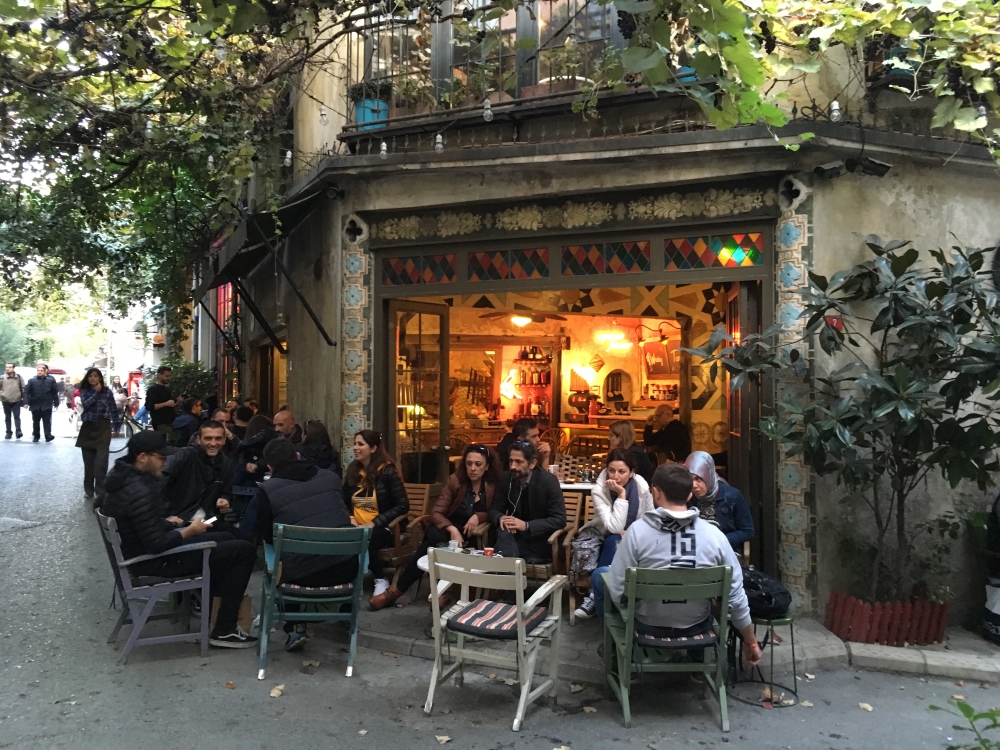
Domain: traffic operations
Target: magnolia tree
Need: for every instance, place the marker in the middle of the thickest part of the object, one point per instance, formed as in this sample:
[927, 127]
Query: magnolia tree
[913, 392]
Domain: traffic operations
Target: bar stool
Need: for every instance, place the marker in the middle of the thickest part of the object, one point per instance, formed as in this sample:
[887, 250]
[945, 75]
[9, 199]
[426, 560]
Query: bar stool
[756, 676]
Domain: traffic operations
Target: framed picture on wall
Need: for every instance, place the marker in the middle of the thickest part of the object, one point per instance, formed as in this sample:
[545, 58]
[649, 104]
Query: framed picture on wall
[661, 360]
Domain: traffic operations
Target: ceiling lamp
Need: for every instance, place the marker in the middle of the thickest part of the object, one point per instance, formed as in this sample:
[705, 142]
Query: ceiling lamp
[519, 320]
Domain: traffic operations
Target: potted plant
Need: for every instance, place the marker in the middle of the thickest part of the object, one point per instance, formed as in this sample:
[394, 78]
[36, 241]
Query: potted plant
[414, 96]
[371, 102]
[909, 390]
[563, 64]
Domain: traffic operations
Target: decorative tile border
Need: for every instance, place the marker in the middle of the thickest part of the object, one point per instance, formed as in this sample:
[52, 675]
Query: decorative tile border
[712, 251]
[356, 355]
[418, 269]
[608, 258]
[532, 263]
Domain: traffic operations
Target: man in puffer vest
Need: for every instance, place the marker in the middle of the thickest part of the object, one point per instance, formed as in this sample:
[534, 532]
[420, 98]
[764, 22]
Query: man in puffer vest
[300, 494]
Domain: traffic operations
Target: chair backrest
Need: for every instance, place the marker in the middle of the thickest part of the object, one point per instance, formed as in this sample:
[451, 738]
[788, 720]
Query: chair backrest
[588, 510]
[419, 496]
[457, 442]
[308, 540]
[113, 546]
[574, 503]
[678, 584]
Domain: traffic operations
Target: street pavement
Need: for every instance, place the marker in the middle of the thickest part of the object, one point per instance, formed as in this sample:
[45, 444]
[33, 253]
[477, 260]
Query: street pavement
[60, 685]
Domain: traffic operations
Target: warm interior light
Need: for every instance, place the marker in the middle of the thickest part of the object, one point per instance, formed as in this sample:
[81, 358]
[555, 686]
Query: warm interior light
[507, 389]
[519, 320]
[608, 337]
[619, 346]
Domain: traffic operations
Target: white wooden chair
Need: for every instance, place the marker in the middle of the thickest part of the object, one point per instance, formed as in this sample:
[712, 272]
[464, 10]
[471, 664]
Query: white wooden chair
[525, 622]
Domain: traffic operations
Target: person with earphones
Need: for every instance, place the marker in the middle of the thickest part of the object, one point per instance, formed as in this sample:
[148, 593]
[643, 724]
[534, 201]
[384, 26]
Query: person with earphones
[527, 508]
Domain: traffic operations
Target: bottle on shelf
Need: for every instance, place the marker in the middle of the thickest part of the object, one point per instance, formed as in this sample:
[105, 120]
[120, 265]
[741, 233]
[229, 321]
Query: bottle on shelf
[536, 377]
[523, 376]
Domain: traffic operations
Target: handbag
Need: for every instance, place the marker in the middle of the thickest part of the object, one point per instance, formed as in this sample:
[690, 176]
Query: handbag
[586, 551]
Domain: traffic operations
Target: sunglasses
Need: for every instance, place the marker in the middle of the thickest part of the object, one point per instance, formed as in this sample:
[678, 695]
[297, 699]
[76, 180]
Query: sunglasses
[478, 448]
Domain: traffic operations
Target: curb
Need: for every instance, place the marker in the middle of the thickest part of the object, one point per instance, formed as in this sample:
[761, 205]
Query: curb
[952, 665]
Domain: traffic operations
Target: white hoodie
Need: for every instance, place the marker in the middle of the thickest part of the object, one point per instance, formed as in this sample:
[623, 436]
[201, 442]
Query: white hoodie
[661, 540]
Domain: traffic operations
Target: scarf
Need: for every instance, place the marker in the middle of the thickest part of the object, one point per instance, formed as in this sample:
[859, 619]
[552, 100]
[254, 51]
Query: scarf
[701, 464]
[632, 497]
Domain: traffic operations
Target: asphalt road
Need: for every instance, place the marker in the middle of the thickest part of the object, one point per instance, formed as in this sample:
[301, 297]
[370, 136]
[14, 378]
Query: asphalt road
[60, 685]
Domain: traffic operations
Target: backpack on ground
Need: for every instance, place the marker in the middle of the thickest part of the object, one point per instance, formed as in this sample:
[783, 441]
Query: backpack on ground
[768, 598]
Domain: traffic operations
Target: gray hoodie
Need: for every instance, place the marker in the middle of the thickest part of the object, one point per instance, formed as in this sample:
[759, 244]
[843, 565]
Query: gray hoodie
[660, 540]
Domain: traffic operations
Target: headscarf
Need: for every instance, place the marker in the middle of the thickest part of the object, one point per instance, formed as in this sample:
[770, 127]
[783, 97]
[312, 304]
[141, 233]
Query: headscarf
[701, 464]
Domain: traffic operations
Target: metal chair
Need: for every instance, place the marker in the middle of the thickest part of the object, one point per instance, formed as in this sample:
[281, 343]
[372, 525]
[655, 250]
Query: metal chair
[524, 622]
[151, 589]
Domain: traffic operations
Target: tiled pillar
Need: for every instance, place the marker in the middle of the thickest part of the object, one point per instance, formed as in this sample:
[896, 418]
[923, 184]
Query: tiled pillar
[356, 357]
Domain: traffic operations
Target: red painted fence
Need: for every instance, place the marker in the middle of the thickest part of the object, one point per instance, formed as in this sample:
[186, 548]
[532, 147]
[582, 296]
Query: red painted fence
[917, 623]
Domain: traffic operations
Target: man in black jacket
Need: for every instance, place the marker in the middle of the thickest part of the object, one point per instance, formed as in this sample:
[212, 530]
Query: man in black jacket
[134, 501]
[524, 429]
[527, 508]
[200, 477]
[41, 396]
[160, 402]
[301, 494]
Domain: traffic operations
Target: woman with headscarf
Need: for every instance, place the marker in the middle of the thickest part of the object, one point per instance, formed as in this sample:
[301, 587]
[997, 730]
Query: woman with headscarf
[719, 502]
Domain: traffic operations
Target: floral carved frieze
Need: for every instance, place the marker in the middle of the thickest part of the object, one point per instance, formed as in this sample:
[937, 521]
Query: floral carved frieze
[572, 215]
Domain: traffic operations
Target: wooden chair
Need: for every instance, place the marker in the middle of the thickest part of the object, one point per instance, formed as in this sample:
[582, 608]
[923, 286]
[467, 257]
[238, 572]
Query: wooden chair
[151, 589]
[626, 651]
[558, 566]
[576, 584]
[406, 540]
[587, 445]
[557, 438]
[524, 622]
[457, 443]
[324, 603]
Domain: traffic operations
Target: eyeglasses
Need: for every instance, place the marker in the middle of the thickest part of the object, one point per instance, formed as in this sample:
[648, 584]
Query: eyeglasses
[520, 444]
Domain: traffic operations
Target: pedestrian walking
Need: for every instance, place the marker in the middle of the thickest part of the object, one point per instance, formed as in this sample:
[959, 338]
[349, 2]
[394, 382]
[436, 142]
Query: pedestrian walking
[11, 392]
[40, 396]
[100, 417]
[160, 402]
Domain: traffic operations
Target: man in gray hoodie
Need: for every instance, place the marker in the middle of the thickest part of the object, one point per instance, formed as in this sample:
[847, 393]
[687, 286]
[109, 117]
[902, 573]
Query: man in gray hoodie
[674, 536]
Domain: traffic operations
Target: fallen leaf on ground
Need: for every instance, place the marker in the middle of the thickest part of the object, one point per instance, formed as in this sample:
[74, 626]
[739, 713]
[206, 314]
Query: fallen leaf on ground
[575, 688]
[277, 691]
[72, 703]
[589, 710]
[230, 685]
[492, 675]
[865, 706]
[810, 676]
[959, 683]
[807, 704]
[362, 732]
[307, 669]
[446, 710]
[788, 702]
[509, 681]
[442, 738]
[310, 663]
[920, 697]
[391, 656]
[958, 697]
[984, 686]
[561, 747]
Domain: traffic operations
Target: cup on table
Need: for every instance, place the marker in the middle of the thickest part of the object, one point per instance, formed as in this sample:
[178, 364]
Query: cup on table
[453, 545]
[488, 551]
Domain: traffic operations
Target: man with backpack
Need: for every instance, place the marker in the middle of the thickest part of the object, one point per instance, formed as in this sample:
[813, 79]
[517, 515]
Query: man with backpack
[11, 390]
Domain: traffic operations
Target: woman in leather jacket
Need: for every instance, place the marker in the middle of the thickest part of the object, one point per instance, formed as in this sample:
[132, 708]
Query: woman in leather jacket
[375, 496]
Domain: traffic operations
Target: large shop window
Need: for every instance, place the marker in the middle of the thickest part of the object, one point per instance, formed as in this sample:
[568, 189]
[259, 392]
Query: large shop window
[227, 314]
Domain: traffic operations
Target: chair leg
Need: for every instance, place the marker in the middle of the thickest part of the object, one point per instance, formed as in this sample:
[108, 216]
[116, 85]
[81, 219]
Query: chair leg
[460, 659]
[526, 668]
[795, 672]
[206, 611]
[355, 608]
[625, 683]
[720, 686]
[139, 617]
[266, 616]
[572, 605]
[118, 626]
[554, 645]
[436, 671]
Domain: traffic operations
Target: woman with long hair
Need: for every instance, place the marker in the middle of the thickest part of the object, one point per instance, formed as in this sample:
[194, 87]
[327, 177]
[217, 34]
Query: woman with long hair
[376, 497]
[99, 419]
[620, 497]
[718, 501]
[621, 434]
[463, 505]
[250, 454]
[318, 448]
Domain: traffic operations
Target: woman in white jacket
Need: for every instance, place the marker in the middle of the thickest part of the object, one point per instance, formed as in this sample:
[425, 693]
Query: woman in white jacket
[620, 496]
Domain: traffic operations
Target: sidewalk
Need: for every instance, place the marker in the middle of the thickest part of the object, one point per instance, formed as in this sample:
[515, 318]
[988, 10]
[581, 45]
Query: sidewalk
[963, 656]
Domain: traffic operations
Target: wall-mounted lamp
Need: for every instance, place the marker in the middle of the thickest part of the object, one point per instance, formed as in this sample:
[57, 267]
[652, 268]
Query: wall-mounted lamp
[519, 320]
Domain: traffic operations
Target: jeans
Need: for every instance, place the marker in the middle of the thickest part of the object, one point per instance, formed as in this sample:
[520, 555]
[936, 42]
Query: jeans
[608, 550]
[518, 545]
[15, 410]
[248, 521]
[597, 587]
[95, 469]
[45, 418]
[230, 562]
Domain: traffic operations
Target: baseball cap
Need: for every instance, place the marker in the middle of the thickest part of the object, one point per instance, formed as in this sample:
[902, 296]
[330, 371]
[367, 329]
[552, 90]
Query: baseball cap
[147, 441]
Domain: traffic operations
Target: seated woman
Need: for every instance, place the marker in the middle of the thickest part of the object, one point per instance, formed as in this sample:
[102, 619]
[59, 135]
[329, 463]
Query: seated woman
[318, 448]
[621, 434]
[376, 497]
[464, 504]
[719, 502]
[620, 496]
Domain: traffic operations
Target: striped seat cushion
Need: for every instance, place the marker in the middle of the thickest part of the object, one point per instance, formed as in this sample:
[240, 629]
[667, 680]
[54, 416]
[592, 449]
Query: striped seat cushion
[708, 638]
[488, 619]
[292, 589]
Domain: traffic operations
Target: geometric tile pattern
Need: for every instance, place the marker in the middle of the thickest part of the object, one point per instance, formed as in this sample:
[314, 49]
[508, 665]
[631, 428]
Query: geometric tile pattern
[714, 251]
[356, 304]
[418, 269]
[608, 258]
[501, 265]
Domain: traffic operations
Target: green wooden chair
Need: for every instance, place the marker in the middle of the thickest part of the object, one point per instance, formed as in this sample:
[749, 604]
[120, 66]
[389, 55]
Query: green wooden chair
[626, 651]
[315, 604]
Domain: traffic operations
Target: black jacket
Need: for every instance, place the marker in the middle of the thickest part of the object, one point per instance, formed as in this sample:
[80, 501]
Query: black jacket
[159, 394]
[134, 501]
[390, 494]
[322, 456]
[192, 480]
[302, 495]
[643, 466]
[674, 440]
[541, 505]
[40, 394]
[251, 451]
[503, 450]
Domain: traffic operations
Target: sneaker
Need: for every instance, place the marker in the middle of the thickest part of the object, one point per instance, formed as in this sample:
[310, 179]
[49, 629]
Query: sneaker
[8, 436]
[381, 584]
[35, 440]
[587, 608]
[50, 438]
[236, 639]
[297, 638]
[88, 495]
[20, 435]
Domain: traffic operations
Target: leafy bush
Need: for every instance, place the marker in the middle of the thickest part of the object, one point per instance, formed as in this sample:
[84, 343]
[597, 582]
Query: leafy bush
[190, 378]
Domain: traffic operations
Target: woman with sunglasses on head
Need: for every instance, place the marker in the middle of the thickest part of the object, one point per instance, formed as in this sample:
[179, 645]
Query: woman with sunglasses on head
[376, 497]
[463, 505]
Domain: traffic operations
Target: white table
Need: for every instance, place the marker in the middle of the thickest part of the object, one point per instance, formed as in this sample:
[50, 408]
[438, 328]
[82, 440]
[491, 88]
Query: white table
[424, 564]
[585, 487]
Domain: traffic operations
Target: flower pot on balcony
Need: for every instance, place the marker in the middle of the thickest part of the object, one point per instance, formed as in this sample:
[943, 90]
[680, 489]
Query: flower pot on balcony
[371, 114]
[916, 623]
[554, 86]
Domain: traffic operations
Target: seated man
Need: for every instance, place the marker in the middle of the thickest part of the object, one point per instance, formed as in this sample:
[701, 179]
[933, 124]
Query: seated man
[673, 536]
[185, 424]
[524, 429]
[301, 494]
[527, 508]
[284, 425]
[200, 478]
[664, 434]
[232, 444]
[134, 501]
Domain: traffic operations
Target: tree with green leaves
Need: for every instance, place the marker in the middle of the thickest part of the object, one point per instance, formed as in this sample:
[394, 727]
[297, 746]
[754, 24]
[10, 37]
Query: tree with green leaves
[911, 391]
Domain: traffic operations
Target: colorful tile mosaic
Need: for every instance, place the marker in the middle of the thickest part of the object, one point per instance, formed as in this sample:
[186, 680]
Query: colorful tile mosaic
[712, 251]
[610, 258]
[418, 269]
[532, 263]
